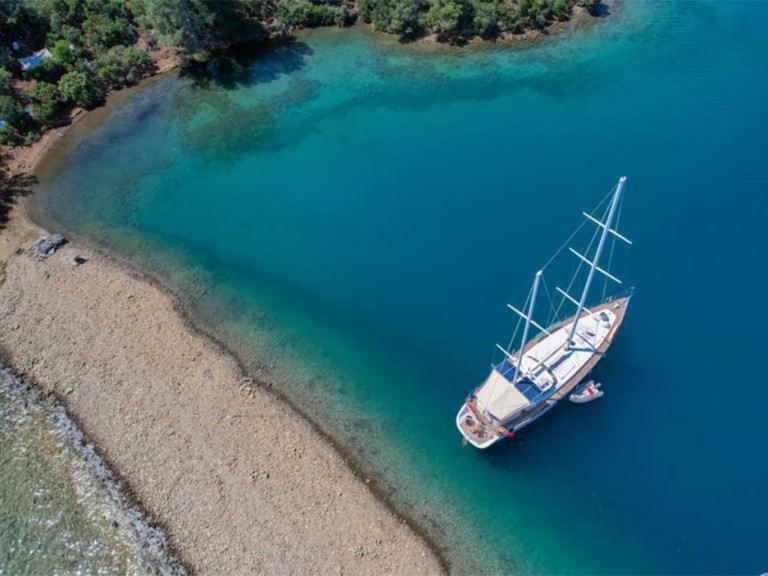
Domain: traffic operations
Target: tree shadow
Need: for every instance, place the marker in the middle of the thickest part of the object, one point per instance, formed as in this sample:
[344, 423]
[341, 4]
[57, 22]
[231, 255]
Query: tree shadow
[13, 187]
[251, 64]
[457, 40]
[600, 10]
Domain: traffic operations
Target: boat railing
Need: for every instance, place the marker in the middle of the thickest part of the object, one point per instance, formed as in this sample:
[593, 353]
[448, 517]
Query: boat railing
[624, 294]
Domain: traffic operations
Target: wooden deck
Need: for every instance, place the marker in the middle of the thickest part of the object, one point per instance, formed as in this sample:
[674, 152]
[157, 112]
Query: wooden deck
[479, 428]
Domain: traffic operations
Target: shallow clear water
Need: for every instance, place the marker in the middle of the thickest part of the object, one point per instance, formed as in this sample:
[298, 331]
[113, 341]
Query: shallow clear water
[61, 511]
[351, 216]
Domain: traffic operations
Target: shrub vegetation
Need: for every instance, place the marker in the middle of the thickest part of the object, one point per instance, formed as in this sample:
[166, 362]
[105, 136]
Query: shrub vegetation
[96, 43]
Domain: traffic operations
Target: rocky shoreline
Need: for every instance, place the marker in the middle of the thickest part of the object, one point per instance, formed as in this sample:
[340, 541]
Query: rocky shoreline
[149, 542]
[239, 480]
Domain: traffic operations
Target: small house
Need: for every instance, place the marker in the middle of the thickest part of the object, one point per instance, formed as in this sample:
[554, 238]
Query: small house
[33, 61]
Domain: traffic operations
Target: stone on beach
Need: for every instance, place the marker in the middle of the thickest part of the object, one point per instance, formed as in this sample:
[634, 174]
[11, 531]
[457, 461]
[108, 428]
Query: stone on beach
[47, 245]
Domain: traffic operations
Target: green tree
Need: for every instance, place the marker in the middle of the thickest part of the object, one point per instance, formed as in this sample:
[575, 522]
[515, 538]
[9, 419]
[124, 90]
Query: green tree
[524, 6]
[49, 71]
[513, 21]
[540, 11]
[6, 82]
[406, 18]
[486, 19]
[238, 21]
[121, 66]
[295, 12]
[63, 53]
[186, 23]
[64, 18]
[369, 9]
[305, 13]
[102, 31]
[9, 108]
[79, 87]
[446, 17]
[562, 8]
[10, 114]
[47, 106]
[21, 21]
[7, 61]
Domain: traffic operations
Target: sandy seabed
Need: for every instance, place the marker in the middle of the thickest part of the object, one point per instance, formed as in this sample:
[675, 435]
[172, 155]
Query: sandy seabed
[239, 481]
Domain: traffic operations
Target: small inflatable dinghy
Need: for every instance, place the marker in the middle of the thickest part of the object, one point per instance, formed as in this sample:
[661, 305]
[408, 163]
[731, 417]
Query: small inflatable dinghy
[586, 393]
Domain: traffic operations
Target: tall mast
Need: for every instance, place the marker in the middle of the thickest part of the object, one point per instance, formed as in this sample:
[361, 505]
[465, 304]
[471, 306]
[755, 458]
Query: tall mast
[534, 291]
[606, 228]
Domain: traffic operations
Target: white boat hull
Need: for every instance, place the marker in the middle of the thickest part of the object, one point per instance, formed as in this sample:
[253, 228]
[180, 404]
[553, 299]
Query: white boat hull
[482, 428]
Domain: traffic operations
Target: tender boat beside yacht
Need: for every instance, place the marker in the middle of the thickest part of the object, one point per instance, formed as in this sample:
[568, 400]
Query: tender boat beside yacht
[586, 393]
[529, 382]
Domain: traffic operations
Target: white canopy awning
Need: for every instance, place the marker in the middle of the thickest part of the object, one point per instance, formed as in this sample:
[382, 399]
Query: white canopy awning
[500, 398]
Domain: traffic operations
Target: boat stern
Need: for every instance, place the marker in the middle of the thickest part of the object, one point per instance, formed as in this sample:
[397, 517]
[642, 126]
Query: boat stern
[474, 429]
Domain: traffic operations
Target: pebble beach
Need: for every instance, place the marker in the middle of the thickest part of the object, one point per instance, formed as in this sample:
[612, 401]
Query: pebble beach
[239, 482]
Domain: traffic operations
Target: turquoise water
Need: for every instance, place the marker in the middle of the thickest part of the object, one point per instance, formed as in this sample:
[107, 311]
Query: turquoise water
[351, 215]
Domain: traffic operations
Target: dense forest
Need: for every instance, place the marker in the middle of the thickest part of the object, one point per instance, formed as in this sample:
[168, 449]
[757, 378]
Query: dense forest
[95, 46]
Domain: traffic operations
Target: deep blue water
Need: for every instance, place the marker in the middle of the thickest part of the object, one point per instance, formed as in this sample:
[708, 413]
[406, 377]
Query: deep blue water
[351, 216]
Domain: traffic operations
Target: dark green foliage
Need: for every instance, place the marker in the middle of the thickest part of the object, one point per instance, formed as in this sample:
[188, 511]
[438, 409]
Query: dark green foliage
[488, 17]
[203, 26]
[311, 14]
[22, 21]
[49, 71]
[186, 23]
[80, 87]
[538, 13]
[121, 66]
[74, 30]
[406, 18]
[6, 82]
[462, 18]
[8, 62]
[102, 31]
[108, 32]
[239, 21]
[63, 53]
[562, 8]
[9, 108]
[47, 104]
[65, 19]
[371, 10]
[447, 18]
[403, 17]
[94, 24]
[18, 126]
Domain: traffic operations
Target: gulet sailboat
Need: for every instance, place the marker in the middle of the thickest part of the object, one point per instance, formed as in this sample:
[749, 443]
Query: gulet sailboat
[530, 381]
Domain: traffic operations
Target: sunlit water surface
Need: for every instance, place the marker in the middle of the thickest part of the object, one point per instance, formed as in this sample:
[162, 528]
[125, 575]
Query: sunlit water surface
[61, 511]
[350, 216]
